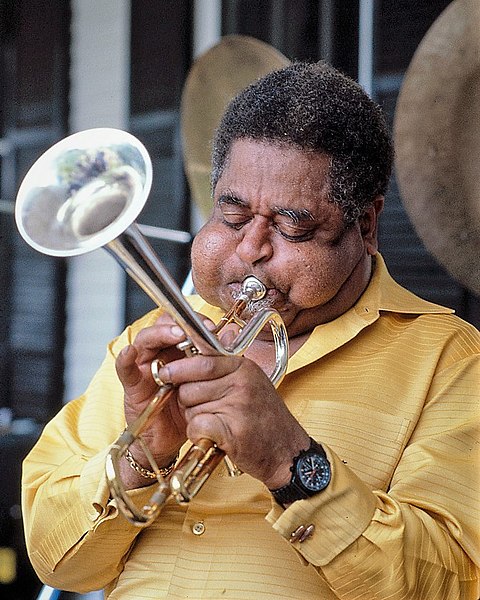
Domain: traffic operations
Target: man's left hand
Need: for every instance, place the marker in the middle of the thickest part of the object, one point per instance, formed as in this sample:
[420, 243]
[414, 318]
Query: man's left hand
[231, 401]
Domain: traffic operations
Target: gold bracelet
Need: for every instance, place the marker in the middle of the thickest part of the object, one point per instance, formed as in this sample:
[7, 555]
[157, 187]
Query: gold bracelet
[163, 471]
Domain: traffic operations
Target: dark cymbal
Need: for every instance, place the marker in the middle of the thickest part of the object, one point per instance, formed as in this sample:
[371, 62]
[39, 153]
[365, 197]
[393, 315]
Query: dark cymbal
[214, 79]
[437, 137]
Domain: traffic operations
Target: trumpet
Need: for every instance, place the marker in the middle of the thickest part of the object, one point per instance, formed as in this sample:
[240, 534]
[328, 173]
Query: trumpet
[85, 193]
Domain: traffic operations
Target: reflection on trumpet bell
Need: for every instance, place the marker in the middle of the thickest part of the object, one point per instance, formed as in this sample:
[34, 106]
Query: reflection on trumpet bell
[100, 202]
[85, 193]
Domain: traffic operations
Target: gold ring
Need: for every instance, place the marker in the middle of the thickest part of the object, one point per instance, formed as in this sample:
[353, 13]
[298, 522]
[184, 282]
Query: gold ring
[155, 366]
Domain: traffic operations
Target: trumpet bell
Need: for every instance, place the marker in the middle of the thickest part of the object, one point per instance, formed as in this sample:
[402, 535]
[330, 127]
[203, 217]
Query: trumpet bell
[83, 192]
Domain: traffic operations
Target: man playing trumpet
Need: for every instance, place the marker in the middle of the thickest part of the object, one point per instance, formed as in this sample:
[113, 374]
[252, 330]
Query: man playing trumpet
[360, 471]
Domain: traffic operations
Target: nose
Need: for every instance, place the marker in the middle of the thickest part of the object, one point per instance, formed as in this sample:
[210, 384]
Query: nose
[255, 245]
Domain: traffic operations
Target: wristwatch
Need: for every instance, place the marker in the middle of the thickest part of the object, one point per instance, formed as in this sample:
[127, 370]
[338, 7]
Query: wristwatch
[311, 473]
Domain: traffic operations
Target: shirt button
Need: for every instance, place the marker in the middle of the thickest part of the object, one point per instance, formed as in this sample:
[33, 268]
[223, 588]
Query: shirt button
[198, 528]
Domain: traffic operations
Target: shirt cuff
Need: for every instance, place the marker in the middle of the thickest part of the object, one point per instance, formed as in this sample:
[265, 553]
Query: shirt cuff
[95, 491]
[339, 514]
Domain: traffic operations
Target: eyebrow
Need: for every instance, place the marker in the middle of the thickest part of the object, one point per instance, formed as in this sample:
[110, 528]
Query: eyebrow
[297, 216]
[229, 198]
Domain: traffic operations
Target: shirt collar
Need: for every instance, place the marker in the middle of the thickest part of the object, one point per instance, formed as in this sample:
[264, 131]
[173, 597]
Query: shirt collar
[385, 294]
[382, 295]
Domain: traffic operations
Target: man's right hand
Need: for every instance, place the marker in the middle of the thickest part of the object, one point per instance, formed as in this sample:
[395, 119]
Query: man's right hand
[165, 433]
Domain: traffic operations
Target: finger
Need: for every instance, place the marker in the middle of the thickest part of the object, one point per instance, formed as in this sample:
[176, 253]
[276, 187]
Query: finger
[201, 396]
[228, 337]
[209, 324]
[150, 340]
[167, 319]
[164, 334]
[131, 376]
[199, 368]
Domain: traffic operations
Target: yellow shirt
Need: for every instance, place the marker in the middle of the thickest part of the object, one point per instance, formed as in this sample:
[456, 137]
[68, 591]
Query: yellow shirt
[391, 390]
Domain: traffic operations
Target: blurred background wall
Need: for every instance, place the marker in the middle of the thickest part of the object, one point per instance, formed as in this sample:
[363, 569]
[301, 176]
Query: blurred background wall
[71, 65]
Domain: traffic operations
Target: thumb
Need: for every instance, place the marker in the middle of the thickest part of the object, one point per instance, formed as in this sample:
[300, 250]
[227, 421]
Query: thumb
[228, 334]
[126, 366]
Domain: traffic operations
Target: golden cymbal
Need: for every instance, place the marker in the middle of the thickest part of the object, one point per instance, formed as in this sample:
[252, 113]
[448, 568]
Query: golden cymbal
[213, 80]
[437, 137]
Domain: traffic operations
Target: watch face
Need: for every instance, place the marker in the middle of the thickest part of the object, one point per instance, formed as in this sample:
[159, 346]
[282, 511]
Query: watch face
[313, 472]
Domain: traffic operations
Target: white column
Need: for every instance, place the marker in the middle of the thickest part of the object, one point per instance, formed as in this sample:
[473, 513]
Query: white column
[100, 62]
[207, 24]
[365, 44]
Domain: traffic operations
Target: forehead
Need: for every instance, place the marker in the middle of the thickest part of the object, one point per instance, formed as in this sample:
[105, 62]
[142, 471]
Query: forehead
[280, 174]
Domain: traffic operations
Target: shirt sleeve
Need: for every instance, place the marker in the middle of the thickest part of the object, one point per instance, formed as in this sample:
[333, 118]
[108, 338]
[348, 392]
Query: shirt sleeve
[421, 539]
[84, 546]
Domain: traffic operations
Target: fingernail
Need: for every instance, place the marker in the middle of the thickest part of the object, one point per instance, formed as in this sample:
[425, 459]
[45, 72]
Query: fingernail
[177, 331]
[210, 325]
[164, 375]
[228, 338]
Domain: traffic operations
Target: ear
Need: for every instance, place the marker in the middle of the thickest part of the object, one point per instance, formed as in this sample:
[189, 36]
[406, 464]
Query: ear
[369, 225]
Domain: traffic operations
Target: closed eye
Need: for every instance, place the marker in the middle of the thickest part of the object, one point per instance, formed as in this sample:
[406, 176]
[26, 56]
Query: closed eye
[235, 213]
[235, 219]
[294, 226]
[294, 234]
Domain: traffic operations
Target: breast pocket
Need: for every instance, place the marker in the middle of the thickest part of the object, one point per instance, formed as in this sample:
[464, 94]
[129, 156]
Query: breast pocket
[369, 441]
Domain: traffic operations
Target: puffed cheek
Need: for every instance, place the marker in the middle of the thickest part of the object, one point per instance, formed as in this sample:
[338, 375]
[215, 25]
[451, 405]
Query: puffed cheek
[212, 244]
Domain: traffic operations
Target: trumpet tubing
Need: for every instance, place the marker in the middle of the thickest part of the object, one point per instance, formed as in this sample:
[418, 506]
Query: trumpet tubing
[85, 193]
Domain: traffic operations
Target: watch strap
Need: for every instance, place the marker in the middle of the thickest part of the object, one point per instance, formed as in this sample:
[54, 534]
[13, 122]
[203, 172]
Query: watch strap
[288, 493]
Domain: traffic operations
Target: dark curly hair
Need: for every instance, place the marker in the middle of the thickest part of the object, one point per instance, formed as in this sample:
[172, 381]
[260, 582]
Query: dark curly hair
[316, 108]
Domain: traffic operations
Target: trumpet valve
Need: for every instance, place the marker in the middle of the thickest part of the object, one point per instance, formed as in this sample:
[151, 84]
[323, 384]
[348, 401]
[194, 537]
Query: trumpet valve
[194, 469]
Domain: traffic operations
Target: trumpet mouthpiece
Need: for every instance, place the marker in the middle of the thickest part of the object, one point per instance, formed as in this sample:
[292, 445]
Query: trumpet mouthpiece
[253, 288]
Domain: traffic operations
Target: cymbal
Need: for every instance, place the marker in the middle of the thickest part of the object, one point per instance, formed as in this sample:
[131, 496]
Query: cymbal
[213, 80]
[437, 137]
